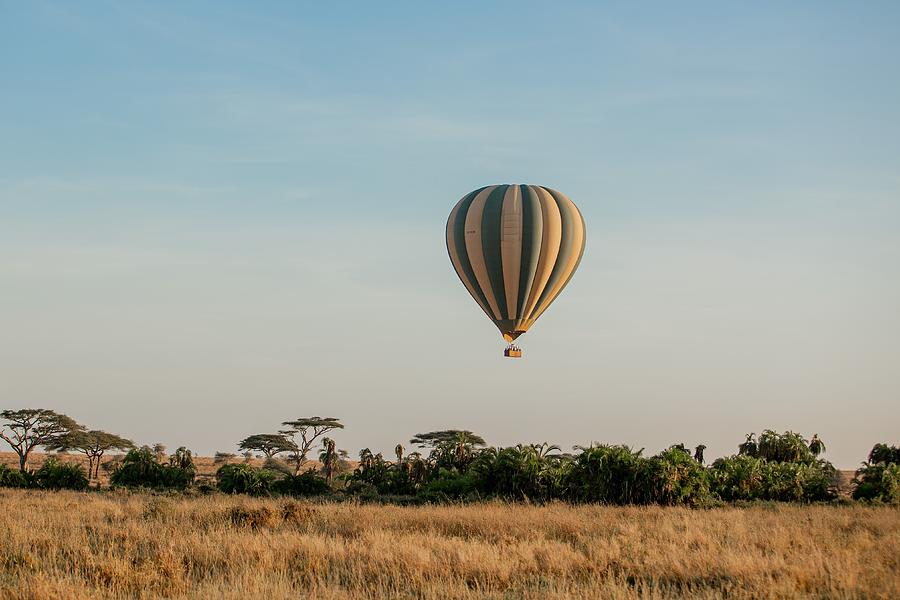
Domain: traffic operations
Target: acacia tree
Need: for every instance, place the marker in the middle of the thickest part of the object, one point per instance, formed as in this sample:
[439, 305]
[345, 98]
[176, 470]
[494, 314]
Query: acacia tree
[92, 444]
[433, 439]
[451, 448]
[31, 427]
[309, 429]
[269, 444]
[159, 451]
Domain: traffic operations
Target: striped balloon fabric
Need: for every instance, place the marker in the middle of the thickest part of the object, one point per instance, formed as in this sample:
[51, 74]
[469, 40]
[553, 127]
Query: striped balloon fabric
[515, 247]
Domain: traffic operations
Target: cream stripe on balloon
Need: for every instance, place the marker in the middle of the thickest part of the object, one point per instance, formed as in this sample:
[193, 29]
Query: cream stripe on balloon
[511, 247]
[475, 250]
[577, 234]
[457, 263]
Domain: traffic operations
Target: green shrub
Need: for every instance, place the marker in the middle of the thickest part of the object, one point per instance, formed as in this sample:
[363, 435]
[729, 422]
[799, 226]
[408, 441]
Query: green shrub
[609, 475]
[675, 477]
[304, 484]
[361, 489]
[516, 473]
[374, 471]
[12, 478]
[745, 477]
[184, 460]
[244, 479]
[450, 485]
[56, 475]
[878, 482]
[277, 465]
[819, 481]
[738, 477]
[140, 468]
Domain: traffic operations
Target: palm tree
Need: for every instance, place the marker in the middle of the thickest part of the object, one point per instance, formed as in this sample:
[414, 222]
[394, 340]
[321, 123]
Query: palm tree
[328, 458]
[543, 450]
[698, 453]
[749, 447]
[417, 469]
[816, 446]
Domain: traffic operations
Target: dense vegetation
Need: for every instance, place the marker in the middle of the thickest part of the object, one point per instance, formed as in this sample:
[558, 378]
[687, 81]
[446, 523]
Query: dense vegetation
[456, 465]
[779, 467]
[879, 478]
[141, 468]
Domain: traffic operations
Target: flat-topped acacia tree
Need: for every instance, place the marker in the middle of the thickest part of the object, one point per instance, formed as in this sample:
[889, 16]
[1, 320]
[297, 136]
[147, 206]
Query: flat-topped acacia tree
[433, 439]
[32, 427]
[450, 447]
[92, 444]
[309, 429]
[269, 444]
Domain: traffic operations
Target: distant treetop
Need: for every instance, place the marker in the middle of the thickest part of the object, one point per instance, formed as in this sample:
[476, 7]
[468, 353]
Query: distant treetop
[432, 439]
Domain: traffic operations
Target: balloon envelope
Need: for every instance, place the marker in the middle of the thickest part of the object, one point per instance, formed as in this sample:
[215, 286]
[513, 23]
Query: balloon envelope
[515, 247]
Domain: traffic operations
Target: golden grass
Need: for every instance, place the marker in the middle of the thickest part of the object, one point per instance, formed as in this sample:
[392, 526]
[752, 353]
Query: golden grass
[121, 545]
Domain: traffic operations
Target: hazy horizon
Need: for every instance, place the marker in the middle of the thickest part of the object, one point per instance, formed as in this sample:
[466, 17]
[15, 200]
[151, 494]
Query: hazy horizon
[215, 218]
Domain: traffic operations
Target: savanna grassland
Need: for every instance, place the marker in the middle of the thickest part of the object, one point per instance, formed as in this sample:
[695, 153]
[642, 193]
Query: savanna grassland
[119, 544]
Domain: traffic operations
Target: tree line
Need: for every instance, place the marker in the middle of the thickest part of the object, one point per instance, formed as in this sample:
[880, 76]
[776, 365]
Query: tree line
[455, 465]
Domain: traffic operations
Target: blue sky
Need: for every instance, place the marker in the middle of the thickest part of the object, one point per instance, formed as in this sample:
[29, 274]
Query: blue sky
[236, 211]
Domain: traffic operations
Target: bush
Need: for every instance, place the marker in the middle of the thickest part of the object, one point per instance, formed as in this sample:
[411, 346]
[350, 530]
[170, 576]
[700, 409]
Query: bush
[244, 479]
[304, 484]
[745, 477]
[878, 482]
[609, 475]
[819, 481]
[56, 475]
[676, 478]
[12, 478]
[796, 482]
[277, 465]
[140, 468]
[517, 473]
[449, 485]
[184, 460]
[361, 489]
[738, 478]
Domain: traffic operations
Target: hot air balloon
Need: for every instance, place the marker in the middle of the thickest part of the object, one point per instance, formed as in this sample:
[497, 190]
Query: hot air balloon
[515, 247]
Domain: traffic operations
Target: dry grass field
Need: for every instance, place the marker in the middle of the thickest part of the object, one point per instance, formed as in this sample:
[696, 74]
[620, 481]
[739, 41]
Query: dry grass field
[70, 545]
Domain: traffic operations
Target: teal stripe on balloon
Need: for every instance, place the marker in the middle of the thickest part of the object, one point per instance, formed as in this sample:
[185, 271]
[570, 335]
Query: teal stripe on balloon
[491, 230]
[532, 232]
[459, 241]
